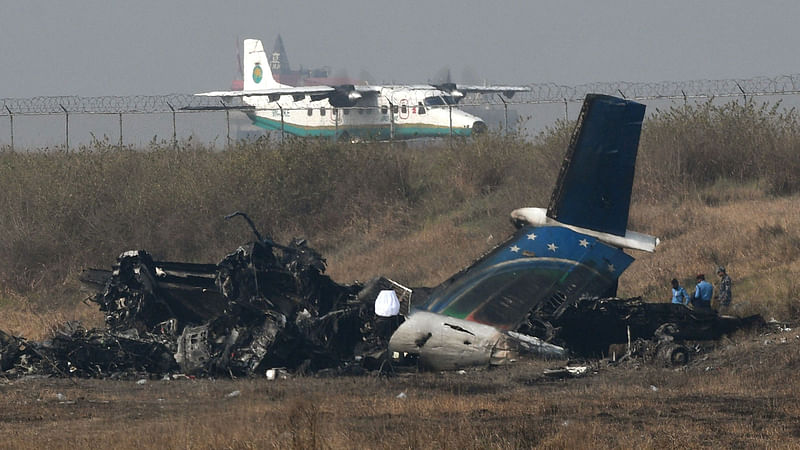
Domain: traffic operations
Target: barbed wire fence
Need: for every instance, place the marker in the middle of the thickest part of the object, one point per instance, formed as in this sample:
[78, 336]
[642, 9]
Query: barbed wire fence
[540, 93]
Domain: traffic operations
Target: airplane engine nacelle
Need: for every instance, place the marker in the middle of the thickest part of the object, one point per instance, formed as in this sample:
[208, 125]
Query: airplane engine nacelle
[345, 96]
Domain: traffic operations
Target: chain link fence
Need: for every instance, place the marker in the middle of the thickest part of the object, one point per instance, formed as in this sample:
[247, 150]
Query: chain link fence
[72, 120]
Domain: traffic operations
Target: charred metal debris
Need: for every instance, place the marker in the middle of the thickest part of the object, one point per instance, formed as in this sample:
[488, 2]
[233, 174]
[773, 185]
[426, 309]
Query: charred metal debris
[265, 305]
[268, 306]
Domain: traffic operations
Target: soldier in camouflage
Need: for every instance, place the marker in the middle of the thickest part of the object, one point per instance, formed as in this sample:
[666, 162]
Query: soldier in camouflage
[724, 289]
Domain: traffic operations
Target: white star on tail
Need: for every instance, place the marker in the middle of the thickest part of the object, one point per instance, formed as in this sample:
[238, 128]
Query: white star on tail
[552, 247]
[611, 268]
[583, 243]
[532, 236]
[514, 249]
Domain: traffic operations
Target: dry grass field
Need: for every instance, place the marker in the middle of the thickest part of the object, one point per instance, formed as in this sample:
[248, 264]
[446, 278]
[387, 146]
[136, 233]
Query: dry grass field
[743, 394]
[718, 185]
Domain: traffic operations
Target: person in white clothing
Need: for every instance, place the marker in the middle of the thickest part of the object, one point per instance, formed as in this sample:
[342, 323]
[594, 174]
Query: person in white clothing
[387, 309]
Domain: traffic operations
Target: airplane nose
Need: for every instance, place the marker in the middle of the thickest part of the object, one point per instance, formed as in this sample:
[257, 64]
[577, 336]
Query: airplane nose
[479, 127]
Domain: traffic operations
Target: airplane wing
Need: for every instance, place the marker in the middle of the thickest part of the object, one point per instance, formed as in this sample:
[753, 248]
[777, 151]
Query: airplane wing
[300, 90]
[493, 89]
[321, 90]
[459, 90]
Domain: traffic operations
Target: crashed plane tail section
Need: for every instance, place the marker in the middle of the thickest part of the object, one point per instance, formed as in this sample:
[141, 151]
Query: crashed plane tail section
[573, 250]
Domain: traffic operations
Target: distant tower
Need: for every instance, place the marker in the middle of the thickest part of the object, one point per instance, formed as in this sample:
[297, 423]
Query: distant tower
[279, 63]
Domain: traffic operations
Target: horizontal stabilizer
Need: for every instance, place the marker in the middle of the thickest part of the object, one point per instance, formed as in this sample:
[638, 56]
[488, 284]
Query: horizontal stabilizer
[631, 239]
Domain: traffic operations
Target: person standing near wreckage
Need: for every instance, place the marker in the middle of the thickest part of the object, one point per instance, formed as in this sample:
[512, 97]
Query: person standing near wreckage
[703, 292]
[724, 290]
[387, 310]
[679, 295]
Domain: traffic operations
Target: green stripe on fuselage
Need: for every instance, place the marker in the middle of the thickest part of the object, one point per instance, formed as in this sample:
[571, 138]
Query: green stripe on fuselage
[372, 131]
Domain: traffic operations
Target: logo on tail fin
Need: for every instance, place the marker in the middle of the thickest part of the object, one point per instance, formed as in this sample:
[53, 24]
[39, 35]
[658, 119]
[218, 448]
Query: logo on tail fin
[258, 73]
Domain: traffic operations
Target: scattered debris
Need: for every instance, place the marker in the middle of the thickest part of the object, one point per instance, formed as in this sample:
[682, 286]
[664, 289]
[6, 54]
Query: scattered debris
[275, 374]
[655, 331]
[567, 372]
[265, 305]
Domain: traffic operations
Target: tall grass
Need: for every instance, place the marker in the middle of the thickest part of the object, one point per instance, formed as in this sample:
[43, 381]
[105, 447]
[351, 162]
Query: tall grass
[414, 212]
[691, 147]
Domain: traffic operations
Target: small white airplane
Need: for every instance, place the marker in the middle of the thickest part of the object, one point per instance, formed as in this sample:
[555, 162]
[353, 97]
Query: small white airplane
[354, 112]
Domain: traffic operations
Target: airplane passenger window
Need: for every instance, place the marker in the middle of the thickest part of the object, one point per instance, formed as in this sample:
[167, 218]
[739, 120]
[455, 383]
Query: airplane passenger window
[404, 109]
[310, 111]
[421, 108]
[384, 109]
[394, 109]
[322, 111]
[346, 111]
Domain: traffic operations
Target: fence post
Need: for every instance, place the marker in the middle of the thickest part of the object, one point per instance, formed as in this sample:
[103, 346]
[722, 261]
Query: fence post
[505, 107]
[743, 92]
[120, 131]
[174, 130]
[282, 122]
[450, 108]
[11, 119]
[566, 109]
[391, 121]
[228, 122]
[66, 115]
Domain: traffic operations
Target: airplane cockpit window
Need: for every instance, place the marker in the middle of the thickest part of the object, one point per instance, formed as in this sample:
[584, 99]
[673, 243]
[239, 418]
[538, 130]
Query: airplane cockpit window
[434, 101]
[440, 100]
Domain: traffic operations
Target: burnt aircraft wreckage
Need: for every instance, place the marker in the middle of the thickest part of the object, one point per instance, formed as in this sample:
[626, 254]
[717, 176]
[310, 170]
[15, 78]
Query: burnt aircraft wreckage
[548, 290]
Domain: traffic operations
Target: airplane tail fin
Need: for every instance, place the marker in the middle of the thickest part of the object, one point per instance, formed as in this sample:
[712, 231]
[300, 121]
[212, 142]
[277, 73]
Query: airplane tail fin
[257, 72]
[594, 186]
[574, 249]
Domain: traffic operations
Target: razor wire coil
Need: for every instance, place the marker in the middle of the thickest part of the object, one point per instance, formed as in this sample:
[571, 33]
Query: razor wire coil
[539, 93]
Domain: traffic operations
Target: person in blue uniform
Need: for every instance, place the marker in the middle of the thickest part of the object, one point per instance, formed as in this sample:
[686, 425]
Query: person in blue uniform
[703, 292]
[679, 295]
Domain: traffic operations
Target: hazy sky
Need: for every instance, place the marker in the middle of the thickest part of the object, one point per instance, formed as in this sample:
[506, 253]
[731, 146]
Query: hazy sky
[109, 47]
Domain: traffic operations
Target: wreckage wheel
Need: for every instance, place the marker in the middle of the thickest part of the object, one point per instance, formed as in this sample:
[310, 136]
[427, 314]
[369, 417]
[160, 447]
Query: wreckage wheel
[679, 356]
[672, 354]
